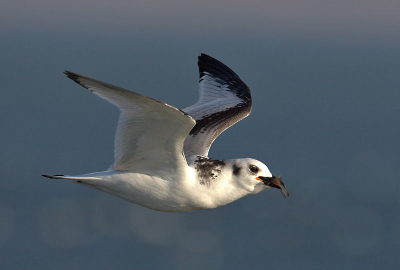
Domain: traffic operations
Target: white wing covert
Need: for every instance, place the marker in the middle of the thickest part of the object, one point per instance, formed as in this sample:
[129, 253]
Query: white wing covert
[150, 133]
[224, 100]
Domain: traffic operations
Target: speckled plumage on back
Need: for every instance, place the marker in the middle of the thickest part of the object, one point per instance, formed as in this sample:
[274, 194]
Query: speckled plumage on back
[208, 169]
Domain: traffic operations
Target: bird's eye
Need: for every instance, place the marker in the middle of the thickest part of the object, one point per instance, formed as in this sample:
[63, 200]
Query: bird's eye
[254, 168]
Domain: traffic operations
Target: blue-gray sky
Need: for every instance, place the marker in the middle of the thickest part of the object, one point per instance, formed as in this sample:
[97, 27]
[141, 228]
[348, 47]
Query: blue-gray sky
[325, 82]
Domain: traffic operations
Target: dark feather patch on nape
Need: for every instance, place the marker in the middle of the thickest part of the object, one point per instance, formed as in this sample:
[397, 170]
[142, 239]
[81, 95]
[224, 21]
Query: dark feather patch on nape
[236, 170]
[208, 169]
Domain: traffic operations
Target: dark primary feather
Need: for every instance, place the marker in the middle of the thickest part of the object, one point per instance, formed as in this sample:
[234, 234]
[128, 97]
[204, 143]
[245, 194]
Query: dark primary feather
[224, 75]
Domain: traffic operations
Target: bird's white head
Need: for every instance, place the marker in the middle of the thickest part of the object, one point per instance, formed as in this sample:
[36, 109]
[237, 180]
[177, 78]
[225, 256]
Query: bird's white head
[254, 176]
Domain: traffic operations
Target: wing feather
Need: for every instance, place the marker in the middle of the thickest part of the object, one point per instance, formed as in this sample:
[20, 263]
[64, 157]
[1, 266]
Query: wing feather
[224, 99]
[150, 133]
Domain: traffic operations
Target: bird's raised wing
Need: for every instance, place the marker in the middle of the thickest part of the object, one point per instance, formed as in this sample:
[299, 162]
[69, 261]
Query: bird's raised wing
[150, 133]
[224, 100]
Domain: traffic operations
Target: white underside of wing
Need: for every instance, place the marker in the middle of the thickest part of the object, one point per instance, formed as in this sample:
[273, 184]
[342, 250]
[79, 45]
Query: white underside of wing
[150, 133]
[200, 144]
[214, 98]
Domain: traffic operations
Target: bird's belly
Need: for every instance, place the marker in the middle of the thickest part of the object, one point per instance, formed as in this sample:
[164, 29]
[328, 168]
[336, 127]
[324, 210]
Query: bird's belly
[149, 191]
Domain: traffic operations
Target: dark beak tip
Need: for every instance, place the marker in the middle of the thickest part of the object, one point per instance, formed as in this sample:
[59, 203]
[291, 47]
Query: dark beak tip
[276, 182]
[285, 192]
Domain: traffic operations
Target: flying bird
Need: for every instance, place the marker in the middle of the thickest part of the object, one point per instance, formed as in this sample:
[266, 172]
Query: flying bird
[161, 153]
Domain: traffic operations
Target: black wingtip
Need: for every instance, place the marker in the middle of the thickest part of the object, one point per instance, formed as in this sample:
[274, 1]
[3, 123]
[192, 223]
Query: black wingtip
[205, 58]
[211, 65]
[75, 77]
[214, 68]
[72, 76]
[52, 176]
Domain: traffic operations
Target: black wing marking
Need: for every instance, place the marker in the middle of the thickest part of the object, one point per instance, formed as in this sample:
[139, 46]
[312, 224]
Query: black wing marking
[224, 100]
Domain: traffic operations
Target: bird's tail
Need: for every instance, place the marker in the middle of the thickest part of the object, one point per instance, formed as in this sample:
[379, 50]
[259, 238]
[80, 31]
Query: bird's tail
[75, 178]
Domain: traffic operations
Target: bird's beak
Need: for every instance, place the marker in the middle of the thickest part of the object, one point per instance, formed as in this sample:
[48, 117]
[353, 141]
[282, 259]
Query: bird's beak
[275, 182]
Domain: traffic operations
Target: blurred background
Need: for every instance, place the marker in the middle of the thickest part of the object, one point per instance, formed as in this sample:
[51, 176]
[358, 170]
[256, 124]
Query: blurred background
[325, 82]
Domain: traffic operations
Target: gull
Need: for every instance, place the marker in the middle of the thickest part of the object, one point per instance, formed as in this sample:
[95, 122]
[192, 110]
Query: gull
[161, 153]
